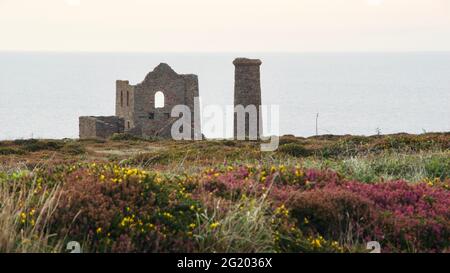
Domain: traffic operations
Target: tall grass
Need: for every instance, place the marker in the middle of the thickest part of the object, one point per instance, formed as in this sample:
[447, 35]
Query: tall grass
[24, 215]
[388, 166]
[245, 227]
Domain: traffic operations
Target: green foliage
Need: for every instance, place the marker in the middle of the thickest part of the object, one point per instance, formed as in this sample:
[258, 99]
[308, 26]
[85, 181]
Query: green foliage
[124, 137]
[11, 151]
[244, 227]
[294, 149]
[125, 210]
[73, 148]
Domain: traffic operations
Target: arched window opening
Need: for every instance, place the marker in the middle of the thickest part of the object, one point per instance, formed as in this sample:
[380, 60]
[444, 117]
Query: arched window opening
[159, 99]
[128, 98]
[121, 98]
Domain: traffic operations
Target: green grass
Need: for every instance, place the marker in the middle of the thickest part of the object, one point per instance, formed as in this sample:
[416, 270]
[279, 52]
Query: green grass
[242, 225]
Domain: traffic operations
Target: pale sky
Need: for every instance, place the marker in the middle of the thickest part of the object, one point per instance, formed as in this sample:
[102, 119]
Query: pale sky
[225, 25]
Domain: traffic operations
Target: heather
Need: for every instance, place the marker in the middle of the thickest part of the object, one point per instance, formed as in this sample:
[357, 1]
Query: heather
[321, 194]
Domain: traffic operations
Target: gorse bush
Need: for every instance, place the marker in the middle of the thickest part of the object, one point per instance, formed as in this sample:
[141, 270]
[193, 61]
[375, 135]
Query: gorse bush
[125, 210]
[229, 208]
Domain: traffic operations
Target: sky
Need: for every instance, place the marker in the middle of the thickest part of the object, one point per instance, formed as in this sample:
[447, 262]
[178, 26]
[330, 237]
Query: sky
[225, 25]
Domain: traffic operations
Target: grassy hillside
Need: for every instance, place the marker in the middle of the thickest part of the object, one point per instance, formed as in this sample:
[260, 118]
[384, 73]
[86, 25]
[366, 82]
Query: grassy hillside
[318, 194]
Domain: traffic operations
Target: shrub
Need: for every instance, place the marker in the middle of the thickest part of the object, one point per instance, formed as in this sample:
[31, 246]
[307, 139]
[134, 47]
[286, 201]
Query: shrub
[11, 151]
[74, 148]
[124, 137]
[336, 213]
[294, 149]
[34, 146]
[438, 167]
[125, 210]
[412, 217]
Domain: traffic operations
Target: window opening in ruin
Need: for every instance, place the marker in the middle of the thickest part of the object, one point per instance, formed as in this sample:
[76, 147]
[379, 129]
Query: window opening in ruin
[159, 99]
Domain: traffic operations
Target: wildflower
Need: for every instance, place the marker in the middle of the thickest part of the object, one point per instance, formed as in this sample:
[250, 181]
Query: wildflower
[298, 173]
[214, 225]
[192, 226]
[306, 221]
[282, 211]
[99, 230]
[23, 217]
[167, 215]
[316, 243]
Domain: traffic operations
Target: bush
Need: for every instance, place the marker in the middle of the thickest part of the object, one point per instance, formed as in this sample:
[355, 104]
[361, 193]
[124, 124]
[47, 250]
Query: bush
[335, 213]
[294, 149]
[35, 146]
[124, 137]
[11, 151]
[74, 148]
[125, 210]
[411, 217]
[438, 167]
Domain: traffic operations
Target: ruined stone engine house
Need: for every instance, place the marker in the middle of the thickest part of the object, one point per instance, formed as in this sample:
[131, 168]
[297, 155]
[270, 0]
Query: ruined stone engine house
[144, 109]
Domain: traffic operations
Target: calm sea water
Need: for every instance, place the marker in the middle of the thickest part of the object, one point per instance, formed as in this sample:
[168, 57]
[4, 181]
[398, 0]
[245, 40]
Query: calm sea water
[42, 94]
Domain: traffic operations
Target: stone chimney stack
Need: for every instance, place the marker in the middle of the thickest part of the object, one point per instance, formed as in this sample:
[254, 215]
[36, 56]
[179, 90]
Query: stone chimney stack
[247, 93]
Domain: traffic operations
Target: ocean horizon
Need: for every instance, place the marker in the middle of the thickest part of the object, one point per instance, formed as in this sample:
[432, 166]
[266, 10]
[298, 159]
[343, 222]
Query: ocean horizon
[44, 93]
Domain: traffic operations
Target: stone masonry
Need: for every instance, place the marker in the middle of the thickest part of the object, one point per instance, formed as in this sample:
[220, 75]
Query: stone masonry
[136, 108]
[100, 127]
[247, 92]
[138, 114]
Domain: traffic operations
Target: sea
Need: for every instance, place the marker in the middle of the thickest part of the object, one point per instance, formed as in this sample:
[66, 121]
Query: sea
[42, 94]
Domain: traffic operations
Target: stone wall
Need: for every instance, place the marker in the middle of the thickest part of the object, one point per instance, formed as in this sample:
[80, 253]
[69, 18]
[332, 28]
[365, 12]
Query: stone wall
[145, 119]
[100, 127]
[125, 101]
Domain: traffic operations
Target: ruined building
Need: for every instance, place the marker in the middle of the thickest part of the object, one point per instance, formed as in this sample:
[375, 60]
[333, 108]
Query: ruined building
[247, 93]
[145, 109]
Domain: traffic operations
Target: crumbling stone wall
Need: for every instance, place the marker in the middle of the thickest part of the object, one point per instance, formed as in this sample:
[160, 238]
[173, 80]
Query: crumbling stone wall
[247, 92]
[140, 113]
[125, 103]
[100, 127]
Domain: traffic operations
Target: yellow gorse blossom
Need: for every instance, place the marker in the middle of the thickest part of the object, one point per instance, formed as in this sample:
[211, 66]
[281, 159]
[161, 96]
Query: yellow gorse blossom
[282, 210]
[214, 225]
